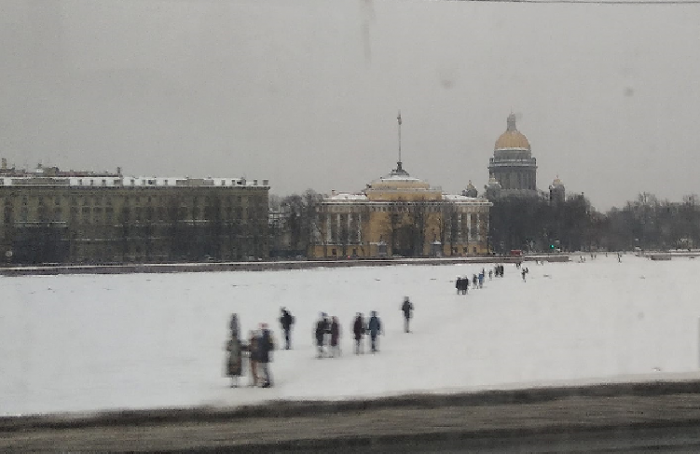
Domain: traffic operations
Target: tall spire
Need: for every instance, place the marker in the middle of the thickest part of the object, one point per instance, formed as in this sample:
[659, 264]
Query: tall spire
[399, 165]
[398, 118]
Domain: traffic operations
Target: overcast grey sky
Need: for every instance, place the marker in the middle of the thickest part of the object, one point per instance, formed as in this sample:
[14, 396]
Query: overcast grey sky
[305, 92]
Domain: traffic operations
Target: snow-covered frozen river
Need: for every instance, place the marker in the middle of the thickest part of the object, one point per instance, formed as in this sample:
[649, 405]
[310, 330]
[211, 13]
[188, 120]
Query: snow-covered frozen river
[103, 342]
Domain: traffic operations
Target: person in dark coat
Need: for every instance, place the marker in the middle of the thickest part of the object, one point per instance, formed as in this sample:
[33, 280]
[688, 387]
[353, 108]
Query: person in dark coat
[287, 320]
[233, 325]
[462, 285]
[234, 366]
[375, 329]
[407, 308]
[335, 337]
[358, 329]
[266, 345]
[320, 334]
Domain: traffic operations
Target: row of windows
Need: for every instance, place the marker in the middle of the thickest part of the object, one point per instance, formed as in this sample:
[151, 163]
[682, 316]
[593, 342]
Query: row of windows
[104, 200]
[89, 215]
[392, 209]
[455, 250]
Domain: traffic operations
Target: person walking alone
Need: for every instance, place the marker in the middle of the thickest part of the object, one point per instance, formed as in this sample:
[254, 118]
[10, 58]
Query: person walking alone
[375, 329]
[407, 308]
[358, 329]
[287, 320]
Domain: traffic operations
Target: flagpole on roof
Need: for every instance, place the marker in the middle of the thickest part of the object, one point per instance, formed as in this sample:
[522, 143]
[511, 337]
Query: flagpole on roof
[398, 118]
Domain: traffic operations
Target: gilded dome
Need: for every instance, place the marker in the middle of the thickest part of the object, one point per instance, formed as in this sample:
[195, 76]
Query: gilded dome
[512, 138]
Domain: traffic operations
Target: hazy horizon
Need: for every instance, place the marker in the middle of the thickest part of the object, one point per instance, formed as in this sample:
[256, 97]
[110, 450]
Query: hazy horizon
[305, 93]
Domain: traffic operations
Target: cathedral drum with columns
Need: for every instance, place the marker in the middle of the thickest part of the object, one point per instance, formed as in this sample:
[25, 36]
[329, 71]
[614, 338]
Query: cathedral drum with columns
[512, 169]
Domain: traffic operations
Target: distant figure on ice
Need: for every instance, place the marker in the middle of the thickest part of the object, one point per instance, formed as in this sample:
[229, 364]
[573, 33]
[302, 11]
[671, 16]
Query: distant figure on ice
[481, 280]
[375, 329]
[490, 274]
[475, 281]
[266, 345]
[524, 273]
[407, 308]
[234, 367]
[335, 337]
[320, 334]
[252, 350]
[233, 325]
[327, 336]
[462, 285]
[465, 285]
[358, 329]
[287, 320]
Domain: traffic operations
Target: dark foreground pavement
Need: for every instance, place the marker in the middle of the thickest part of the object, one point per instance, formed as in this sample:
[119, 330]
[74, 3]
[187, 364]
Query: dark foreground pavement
[659, 417]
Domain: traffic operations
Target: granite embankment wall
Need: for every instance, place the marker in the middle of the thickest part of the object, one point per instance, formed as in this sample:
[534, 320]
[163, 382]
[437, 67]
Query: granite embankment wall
[262, 265]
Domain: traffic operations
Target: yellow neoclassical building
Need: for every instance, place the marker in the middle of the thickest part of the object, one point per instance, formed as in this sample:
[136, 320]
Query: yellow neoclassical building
[400, 215]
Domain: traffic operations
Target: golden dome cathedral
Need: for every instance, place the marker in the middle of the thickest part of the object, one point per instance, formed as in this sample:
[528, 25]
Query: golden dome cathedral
[512, 138]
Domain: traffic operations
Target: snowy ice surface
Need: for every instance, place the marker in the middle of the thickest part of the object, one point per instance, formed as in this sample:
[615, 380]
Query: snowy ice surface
[103, 342]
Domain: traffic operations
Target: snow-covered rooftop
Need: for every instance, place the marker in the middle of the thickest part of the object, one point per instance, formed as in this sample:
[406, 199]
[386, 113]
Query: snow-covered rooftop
[134, 181]
[345, 196]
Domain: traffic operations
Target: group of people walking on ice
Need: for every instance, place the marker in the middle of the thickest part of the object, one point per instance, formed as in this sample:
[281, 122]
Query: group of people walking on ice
[462, 282]
[256, 352]
[327, 332]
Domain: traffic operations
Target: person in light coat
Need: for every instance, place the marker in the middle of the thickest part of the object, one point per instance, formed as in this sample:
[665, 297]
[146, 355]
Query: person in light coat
[234, 364]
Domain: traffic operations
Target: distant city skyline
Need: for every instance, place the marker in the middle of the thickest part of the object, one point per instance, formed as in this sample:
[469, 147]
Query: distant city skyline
[305, 94]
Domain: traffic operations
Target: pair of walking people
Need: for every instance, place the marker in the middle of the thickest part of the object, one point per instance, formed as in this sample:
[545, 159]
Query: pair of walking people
[258, 350]
[327, 334]
[373, 328]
